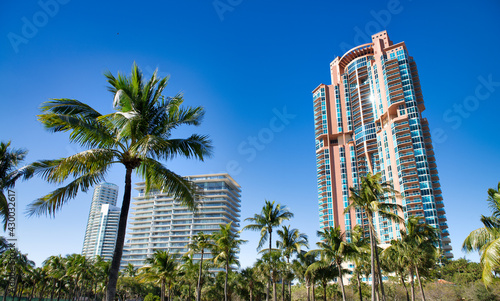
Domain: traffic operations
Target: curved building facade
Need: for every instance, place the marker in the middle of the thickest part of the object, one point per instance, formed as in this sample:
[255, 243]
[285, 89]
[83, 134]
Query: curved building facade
[370, 120]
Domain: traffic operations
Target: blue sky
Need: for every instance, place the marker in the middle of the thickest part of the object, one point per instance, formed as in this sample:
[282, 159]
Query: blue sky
[249, 63]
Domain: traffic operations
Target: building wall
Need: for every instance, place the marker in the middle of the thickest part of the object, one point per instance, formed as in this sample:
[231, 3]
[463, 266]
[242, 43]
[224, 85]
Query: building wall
[102, 224]
[159, 222]
[369, 120]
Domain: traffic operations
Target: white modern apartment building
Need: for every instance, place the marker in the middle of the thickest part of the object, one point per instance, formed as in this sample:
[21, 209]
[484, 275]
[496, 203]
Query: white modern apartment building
[102, 225]
[159, 222]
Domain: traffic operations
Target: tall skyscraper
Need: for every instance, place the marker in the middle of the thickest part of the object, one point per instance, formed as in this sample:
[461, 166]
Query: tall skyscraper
[370, 120]
[159, 222]
[102, 225]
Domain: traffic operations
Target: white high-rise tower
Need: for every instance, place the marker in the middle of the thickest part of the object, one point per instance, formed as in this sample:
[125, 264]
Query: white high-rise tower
[102, 225]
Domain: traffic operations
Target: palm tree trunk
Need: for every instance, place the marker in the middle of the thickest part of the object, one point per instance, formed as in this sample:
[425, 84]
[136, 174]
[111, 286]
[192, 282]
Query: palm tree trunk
[40, 298]
[359, 287]
[20, 292]
[269, 279]
[379, 272]
[6, 290]
[341, 281]
[275, 293]
[308, 289]
[169, 290]
[412, 287]
[406, 289]
[225, 280]
[53, 289]
[120, 239]
[324, 290]
[372, 255]
[282, 288]
[32, 292]
[162, 289]
[314, 293]
[198, 287]
[420, 284]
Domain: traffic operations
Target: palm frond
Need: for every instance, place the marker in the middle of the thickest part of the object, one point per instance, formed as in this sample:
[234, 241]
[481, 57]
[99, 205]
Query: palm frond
[161, 178]
[52, 202]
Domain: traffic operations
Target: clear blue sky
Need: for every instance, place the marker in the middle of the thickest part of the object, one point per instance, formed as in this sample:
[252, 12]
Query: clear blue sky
[243, 61]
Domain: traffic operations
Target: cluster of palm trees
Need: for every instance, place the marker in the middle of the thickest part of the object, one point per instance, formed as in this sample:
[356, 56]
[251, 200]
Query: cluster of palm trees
[71, 277]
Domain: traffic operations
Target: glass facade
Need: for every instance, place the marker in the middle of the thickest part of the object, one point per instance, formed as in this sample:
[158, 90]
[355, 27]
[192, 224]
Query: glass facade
[369, 120]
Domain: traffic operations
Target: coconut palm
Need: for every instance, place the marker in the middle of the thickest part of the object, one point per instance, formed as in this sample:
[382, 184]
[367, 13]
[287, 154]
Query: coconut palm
[271, 265]
[56, 270]
[291, 241]
[373, 198]
[9, 174]
[200, 242]
[301, 268]
[361, 250]
[248, 280]
[162, 267]
[130, 270]
[486, 240]
[270, 217]
[333, 250]
[137, 135]
[415, 251]
[225, 248]
[395, 260]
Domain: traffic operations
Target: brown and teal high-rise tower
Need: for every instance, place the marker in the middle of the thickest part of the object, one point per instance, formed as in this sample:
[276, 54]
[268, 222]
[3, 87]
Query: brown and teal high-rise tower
[370, 120]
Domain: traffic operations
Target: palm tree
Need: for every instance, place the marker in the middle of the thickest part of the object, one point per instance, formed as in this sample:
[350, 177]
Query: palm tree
[226, 246]
[301, 268]
[290, 241]
[163, 267]
[4, 244]
[395, 260]
[486, 240]
[55, 267]
[360, 252]
[270, 264]
[9, 174]
[333, 250]
[137, 135]
[270, 217]
[248, 278]
[130, 270]
[373, 198]
[416, 250]
[200, 242]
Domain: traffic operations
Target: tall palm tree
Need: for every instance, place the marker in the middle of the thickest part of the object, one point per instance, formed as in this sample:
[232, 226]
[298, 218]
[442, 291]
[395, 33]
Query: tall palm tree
[226, 246]
[137, 135]
[290, 242]
[333, 250]
[270, 217]
[486, 240]
[361, 250]
[163, 267]
[9, 174]
[301, 268]
[200, 242]
[373, 198]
